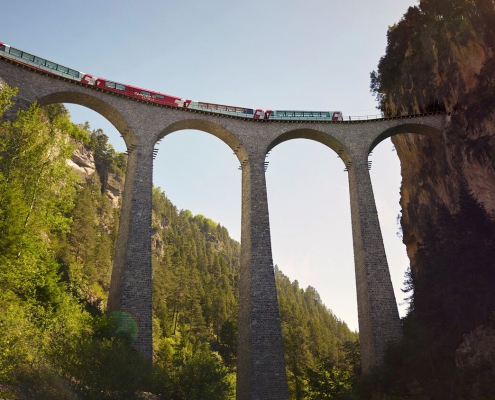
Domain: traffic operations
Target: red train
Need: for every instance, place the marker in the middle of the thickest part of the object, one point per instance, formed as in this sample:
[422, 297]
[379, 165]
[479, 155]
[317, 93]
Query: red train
[42, 64]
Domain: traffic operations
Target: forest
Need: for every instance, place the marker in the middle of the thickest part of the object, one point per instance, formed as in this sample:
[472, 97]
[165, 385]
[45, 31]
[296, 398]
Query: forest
[57, 238]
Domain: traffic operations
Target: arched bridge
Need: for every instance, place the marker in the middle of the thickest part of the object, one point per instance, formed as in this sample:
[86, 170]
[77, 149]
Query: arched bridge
[261, 368]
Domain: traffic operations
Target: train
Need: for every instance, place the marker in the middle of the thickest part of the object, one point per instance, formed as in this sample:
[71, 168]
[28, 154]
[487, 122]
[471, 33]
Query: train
[146, 95]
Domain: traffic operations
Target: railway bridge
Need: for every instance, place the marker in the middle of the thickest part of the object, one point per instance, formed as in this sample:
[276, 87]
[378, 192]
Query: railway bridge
[261, 368]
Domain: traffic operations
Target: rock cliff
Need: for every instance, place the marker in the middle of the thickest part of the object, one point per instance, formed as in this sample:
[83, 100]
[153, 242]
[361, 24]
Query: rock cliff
[441, 55]
[83, 162]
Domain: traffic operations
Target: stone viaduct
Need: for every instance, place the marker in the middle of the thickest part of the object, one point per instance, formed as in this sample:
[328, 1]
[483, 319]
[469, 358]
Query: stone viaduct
[261, 367]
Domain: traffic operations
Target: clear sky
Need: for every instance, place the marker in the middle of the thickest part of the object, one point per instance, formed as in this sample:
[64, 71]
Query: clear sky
[276, 54]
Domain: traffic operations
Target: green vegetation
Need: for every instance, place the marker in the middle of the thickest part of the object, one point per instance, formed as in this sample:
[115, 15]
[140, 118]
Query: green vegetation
[319, 366]
[57, 237]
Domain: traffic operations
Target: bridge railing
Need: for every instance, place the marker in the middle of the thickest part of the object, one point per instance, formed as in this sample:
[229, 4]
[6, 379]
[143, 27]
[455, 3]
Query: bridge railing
[363, 117]
[430, 110]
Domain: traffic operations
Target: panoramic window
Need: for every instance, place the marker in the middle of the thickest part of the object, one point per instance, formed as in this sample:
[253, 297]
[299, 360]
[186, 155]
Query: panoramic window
[63, 69]
[15, 52]
[39, 61]
[119, 86]
[159, 96]
[28, 56]
[109, 84]
[51, 65]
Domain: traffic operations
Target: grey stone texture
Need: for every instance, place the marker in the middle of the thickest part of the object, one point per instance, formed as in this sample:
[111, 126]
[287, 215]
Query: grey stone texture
[261, 367]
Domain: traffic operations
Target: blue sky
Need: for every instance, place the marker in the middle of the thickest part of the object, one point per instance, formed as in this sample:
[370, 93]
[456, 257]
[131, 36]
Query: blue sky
[290, 54]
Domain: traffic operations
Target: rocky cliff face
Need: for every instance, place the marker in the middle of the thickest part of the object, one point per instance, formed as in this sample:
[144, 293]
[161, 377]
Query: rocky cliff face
[83, 162]
[442, 56]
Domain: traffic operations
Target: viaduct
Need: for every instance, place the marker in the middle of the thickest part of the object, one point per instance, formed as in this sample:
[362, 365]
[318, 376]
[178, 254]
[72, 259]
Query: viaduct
[261, 368]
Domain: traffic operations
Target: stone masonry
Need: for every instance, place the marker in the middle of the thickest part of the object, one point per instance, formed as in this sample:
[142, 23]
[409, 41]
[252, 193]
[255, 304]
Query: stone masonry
[261, 367]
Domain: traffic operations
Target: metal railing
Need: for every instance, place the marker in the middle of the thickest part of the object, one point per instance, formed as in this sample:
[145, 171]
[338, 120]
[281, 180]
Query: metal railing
[381, 115]
[363, 117]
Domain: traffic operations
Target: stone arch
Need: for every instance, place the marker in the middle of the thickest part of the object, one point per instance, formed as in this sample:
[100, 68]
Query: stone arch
[316, 135]
[96, 104]
[331, 179]
[220, 132]
[421, 129]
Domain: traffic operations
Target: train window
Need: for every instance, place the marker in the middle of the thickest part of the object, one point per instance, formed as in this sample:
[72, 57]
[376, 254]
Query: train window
[15, 52]
[39, 61]
[203, 105]
[159, 96]
[63, 69]
[310, 114]
[51, 65]
[119, 86]
[298, 114]
[145, 93]
[222, 108]
[109, 84]
[28, 56]
[248, 111]
[230, 108]
[325, 114]
[2, 47]
[73, 73]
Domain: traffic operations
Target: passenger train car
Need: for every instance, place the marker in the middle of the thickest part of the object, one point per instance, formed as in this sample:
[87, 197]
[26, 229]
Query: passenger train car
[41, 64]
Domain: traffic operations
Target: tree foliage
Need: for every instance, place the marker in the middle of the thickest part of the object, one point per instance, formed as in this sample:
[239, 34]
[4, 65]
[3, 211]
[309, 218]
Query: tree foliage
[315, 341]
